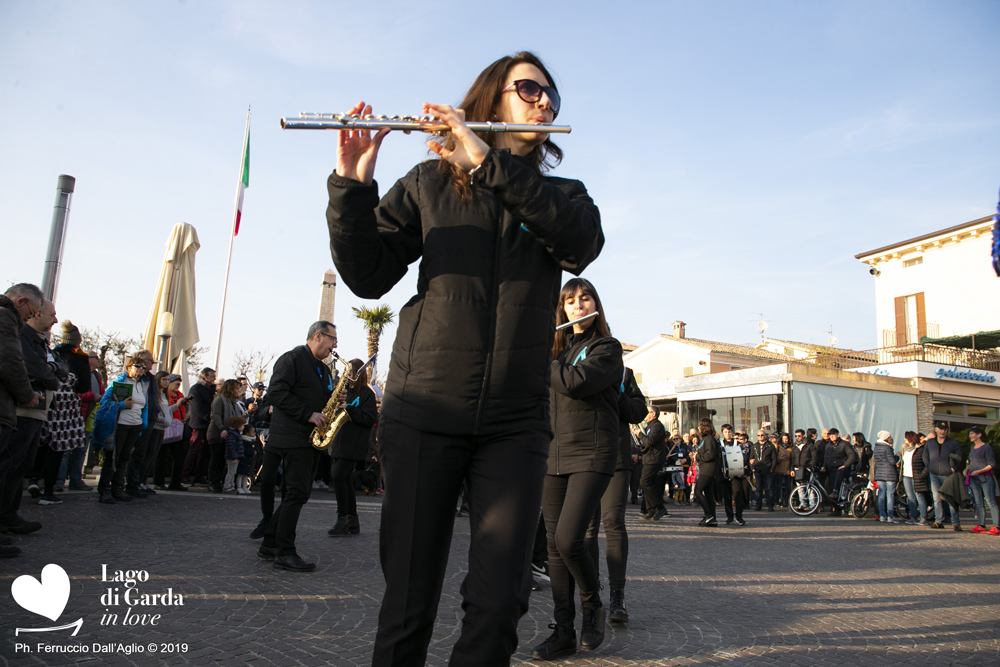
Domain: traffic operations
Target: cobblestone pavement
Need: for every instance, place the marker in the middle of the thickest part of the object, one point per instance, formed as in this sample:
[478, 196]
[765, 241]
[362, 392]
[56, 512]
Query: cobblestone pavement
[783, 590]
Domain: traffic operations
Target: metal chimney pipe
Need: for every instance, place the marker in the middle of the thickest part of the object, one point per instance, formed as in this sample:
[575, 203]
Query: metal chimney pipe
[53, 260]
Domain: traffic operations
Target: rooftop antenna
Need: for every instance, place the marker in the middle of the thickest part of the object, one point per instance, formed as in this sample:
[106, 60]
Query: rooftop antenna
[832, 339]
[762, 325]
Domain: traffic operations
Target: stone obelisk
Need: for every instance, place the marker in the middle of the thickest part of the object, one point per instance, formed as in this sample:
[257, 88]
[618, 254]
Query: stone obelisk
[326, 296]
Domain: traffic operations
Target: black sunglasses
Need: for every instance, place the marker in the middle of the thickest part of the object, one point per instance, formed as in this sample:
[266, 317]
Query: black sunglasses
[531, 91]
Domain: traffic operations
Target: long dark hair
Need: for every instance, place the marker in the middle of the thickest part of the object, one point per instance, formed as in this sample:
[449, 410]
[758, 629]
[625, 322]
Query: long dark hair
[706, 427]
[361, 379]
[480, 104]
[568, 290]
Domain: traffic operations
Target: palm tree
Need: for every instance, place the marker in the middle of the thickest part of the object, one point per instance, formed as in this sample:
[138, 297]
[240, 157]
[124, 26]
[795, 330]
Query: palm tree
[375, 320]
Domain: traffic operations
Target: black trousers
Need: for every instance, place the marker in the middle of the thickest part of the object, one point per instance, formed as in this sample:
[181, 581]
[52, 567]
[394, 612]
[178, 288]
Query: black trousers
[540, 552]
[343, 486]
[217, 462]
[176, 453]
[153, 445]
[612, 513]
[298, 466]
[704, 493]
[652, 487]
[50, 461]
[735, 494]
[634, 481]
[423, 472]
[196, 461]
[265, 482]
[16, 458]
[136, 461]
[115, 463]
[569, 503]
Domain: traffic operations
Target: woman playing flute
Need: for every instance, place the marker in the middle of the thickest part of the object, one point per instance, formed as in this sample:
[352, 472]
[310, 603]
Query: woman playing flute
[468, 386]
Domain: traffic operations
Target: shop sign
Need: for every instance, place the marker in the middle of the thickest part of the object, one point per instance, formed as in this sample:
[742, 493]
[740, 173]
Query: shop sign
[924, 369]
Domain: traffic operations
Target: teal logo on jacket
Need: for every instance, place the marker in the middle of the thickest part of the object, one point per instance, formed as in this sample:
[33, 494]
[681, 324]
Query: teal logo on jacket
[356, 402]
[580, 357]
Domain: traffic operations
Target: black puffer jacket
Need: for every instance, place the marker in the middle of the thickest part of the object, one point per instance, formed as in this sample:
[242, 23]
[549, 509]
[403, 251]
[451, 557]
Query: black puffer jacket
[585, 385]
[300, 386]
[653, 443]
[352, 441]
[200, 407]
[15, 387]
[489, 279]
[631, 410]
[840, 453]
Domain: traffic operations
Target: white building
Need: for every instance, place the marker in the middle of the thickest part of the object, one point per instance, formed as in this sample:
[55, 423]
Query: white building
[939, 284]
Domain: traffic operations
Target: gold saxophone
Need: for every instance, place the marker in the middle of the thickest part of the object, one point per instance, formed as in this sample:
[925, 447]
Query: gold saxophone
[322, 438]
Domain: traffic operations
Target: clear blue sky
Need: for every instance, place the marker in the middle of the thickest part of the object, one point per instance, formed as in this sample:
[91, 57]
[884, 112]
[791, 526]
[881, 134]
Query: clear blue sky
[740, 152]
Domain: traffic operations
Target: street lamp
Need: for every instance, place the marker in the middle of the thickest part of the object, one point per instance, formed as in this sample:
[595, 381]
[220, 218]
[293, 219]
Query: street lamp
[165, 330]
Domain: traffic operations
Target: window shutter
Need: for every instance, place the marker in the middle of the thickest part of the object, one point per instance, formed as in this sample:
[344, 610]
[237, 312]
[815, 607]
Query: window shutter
[900, 320]
[921, 317]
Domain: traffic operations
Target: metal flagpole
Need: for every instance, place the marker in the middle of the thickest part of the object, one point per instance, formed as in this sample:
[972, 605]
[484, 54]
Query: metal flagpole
[232, 236]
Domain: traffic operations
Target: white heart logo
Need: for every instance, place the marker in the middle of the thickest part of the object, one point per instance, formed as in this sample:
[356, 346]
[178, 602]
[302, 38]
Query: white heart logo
[47, 598]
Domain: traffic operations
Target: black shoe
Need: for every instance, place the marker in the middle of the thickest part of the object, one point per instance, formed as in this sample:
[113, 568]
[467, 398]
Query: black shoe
[33, 489]
[20, 526]
[106, 498]
[176, 488]
[215, 488]
[267, 553]
[118, 494]
[9, 552]
[540, 571]
[592, 632]
[704, 520]
[258, 532]
[658, 514]
[729, 522]
[711, 523]
[560, 644]
[294, 563]
[49, 499]
[618, 612]
[355, 524]
[741, 521]
[136, 493]
[341, 528]
[770, 509]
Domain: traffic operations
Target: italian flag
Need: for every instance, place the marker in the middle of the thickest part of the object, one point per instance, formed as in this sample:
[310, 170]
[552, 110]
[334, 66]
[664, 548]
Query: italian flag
[244, 178]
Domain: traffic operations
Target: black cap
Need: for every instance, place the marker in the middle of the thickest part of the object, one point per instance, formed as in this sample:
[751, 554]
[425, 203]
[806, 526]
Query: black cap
[258, 385]
[942, 425]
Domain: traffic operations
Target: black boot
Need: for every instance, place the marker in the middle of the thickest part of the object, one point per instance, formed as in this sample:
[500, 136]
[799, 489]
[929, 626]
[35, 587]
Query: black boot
[592, 633]
[354, 526]
[618, 612]
[561, 643]
[341, 528]
[258, 532]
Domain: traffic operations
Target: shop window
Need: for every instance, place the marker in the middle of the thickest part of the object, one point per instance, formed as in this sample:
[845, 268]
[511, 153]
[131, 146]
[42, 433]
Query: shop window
[981, 412]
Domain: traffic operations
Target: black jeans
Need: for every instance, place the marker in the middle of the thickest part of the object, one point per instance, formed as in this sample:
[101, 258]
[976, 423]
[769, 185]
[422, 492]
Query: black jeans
[113, 468]
[423, 473]
[175, 452]
[145, 468]
[16, 458]
[569, 503]
[298, 465]
[135, 472]
[735, 496]
[343, 485]
[704, 493]
[612, 511]
[652, 487]
[634, 481]
[265, 482]
[50, 461]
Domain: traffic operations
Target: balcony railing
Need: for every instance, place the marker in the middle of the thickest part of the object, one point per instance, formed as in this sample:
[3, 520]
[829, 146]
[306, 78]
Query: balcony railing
[891, 337]
[938, 354]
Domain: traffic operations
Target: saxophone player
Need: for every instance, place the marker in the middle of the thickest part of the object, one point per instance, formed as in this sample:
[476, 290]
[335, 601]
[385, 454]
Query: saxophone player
[300, 388]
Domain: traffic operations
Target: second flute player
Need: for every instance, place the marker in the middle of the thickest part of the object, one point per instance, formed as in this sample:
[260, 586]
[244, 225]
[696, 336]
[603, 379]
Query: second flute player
[468, 386]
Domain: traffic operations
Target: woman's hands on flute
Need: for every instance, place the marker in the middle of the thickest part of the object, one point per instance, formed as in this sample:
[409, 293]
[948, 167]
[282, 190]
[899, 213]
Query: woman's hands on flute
[469, 151]
[358, 149]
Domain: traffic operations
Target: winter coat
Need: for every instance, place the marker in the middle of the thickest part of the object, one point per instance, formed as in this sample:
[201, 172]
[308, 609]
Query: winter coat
[585, 383]
[652, 443]
[936, 455]
[763, 456]
[63, 428]
[883, 465]
[301, 384]
[631, 410]
[245, 465]
[234, 445]
[43, 374]
[839, 454]
[807, 457]
[106, 421]
[15, 387]
[200, 407]
[352, 441]
[782, 459]
[223, 409]
[921, 476]
[707, 456]
[864, 454]
[472, 349]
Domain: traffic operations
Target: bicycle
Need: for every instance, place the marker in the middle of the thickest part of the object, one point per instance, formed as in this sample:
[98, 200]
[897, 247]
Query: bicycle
[862, 502]
[808, 496]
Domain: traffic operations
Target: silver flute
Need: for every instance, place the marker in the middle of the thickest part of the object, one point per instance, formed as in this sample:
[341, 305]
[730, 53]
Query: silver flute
[577, 321]
[343, 121]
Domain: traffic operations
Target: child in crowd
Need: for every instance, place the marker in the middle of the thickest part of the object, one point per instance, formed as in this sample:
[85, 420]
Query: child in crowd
[234, 450]
[245, 468]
